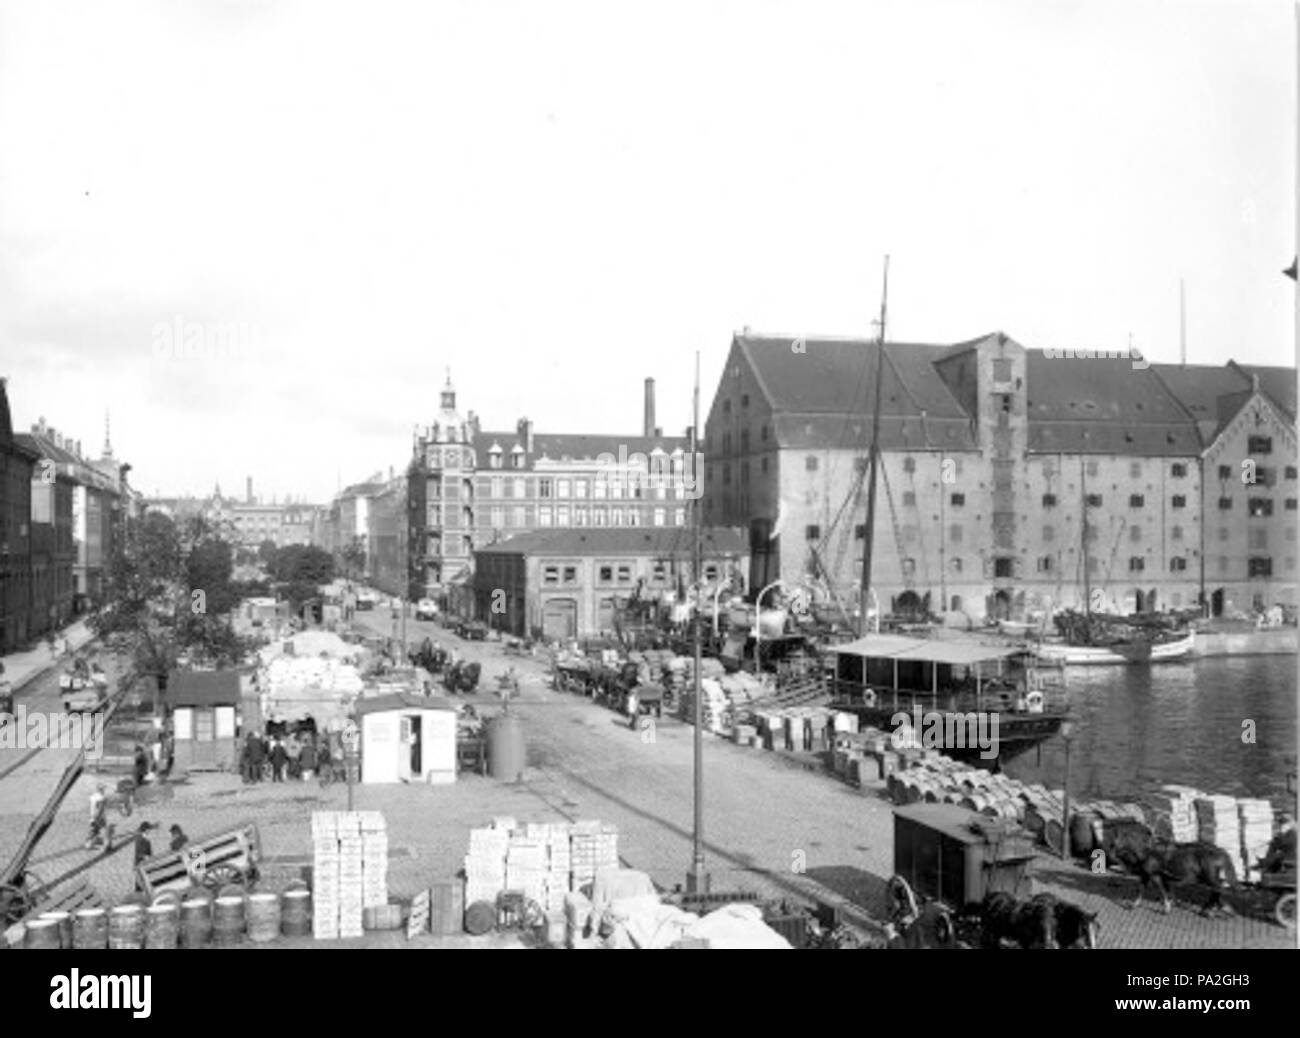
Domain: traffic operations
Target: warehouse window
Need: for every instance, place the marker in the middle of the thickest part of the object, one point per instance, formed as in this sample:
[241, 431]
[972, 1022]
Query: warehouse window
[1260, 445]
[1045, 564]
[954, 533]
[860, 532]
[1290, 504]
[1259, 566]
[1049, 533]
[810, 463]
[957, 500]
[1259, 507]
[956, 565]
[1136, 500]
[1225, 503]
[625, 574]
[1179, 501]
[1225, 471]
[1049, 500]
[1136, 564]
[551, 575]
[1094, 500]
[909, 567]
[1135, 469]
[1176, 533]
[909, 464]
[570, 574]
[1003, 566]
[1177, 564]
[812, 533]
[607, 574]
[1178, 470]
[1135, 533]
[1290, 472]
[909, 499]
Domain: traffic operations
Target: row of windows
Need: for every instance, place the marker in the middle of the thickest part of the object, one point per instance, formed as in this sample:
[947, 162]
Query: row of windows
[609, 573]
[563, 516]
[658, 485]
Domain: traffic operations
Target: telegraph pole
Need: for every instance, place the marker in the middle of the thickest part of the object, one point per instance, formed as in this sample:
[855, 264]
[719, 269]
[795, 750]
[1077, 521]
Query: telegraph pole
[697, 881]
[872, 461]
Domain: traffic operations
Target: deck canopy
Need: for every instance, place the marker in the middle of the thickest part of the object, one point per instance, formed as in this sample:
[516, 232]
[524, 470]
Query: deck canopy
[922, 650]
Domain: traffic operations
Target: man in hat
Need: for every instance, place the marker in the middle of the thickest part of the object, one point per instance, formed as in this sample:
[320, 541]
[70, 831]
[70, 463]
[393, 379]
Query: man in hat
[143, 850]
[98, 815]
[179, 839]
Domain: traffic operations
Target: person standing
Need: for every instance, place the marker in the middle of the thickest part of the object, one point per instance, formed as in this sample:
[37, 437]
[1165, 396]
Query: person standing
[257, 749]
[143, 850]
[98, 815]
[278, 759]
[179, 839]
[307, 760]
[141, 765]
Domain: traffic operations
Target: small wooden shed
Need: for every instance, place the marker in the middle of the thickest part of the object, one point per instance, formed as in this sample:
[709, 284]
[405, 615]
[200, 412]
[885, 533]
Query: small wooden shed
[204, 707]
[407, 738]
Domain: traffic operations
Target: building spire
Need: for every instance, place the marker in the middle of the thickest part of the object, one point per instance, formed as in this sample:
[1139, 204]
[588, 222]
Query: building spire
[108, 441]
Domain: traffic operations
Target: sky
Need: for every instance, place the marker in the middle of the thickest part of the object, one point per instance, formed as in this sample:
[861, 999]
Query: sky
[337, 203]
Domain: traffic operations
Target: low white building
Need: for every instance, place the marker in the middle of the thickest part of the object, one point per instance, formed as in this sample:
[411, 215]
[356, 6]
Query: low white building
[407, 738]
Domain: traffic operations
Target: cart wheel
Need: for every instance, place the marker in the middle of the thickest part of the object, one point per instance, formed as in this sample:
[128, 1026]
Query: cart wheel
[220, 876]
[1284, 913]
[902, 901]
[15, 902]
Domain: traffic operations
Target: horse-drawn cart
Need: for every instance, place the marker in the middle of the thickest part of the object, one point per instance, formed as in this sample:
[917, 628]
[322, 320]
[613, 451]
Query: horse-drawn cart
[226, 859]
[947, 859]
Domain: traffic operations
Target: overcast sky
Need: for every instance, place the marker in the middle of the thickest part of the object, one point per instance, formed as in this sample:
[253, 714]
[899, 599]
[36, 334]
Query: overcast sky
[559, 199]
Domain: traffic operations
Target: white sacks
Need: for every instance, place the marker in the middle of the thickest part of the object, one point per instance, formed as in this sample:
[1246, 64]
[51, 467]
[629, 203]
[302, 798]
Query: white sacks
[350, 870]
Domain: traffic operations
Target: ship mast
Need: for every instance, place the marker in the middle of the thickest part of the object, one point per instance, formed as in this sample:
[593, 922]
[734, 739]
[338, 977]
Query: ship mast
[872, 462]
[1083, 537]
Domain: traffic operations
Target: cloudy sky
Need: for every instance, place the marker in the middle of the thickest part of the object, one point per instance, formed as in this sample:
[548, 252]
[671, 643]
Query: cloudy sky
[558, 199]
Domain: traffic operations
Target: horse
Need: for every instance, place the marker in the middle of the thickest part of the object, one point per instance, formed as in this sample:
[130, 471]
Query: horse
[1161, 863]
[1029, 924]
[1075, 928]
[931, 927]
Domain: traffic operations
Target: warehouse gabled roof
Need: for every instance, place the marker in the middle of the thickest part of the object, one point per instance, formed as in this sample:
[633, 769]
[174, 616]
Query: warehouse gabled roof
[400, 701]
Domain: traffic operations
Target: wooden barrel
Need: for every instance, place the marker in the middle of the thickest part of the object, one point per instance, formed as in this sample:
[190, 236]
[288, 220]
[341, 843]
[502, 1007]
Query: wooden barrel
[295, 912]
[126, 927]
[1052, 832]
[90, 928]
[228, 921]
[263, 917]
[64, 919]
[196, 922]
[162, 925]
[41, 933]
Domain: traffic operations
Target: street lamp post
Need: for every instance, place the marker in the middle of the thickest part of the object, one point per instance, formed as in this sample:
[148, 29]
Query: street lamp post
[1067, 733]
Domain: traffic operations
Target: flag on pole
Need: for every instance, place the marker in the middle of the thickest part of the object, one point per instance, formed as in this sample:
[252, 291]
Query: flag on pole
[776, 525]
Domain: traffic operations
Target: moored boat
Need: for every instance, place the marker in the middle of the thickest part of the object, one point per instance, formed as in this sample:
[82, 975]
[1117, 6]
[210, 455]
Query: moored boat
[1140, 650]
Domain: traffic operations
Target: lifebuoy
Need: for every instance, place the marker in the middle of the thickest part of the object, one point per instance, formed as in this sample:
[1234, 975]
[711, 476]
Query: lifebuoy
[1034, 702]
[869, 697]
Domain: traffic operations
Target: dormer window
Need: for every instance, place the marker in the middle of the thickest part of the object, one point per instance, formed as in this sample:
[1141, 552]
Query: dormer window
[517, 457]
[494, 456]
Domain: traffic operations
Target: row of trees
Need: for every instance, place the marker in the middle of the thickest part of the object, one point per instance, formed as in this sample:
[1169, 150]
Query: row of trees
[172, 593]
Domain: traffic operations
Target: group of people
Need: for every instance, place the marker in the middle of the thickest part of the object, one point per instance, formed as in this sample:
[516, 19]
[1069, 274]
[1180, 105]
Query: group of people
[294, 756]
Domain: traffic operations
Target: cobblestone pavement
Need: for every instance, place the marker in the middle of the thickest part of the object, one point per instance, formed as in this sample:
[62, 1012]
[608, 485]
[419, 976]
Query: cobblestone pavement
[772, 826]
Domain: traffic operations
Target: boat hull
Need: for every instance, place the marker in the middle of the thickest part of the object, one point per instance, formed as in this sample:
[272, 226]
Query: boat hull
[1017, 732]
[1118, 655]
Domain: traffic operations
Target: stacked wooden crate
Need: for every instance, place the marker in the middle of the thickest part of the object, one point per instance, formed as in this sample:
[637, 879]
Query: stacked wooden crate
[1256, 824]
[325, 876]
[374, 859]
[485, 865]
[351, 876]
[1218, 823]
[526, 866]
[1173, 813]
[559, 865]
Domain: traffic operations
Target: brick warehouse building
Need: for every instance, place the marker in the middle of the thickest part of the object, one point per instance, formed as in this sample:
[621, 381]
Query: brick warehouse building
[991, 454]
[17, 464]
[470, 488]
[570, 583]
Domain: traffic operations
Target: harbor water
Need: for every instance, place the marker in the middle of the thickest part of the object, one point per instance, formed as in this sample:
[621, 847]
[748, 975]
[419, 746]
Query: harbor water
[1138, 728]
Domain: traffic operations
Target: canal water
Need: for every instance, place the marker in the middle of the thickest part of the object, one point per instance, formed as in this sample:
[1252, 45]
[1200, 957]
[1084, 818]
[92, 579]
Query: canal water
[1138, 728]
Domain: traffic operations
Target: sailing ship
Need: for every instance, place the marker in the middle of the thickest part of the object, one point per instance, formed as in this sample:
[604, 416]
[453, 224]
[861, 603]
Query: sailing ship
[880, 675]
[1098, 639]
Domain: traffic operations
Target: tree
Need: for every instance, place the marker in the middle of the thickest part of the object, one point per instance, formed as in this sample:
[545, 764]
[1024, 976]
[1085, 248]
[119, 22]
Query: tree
[266, 552]
[354, 557]
[300, 570]
[169, 593]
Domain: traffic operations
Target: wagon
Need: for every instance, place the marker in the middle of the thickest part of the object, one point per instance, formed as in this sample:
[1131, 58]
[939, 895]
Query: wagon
[227, 858]
[951, 857]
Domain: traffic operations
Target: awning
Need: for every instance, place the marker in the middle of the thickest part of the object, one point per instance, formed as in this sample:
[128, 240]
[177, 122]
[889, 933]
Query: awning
[896, 647]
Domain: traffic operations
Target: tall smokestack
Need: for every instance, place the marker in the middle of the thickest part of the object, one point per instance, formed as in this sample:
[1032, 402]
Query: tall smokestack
[248, 483]
[649, 425]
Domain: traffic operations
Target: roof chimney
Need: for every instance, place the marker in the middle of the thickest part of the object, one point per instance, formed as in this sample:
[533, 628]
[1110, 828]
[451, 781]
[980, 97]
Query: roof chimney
[649, 425]
[525, 431]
